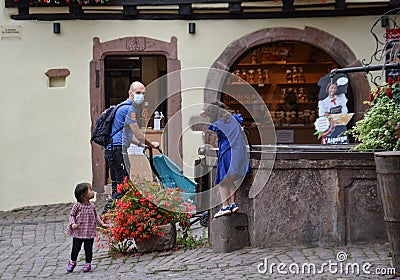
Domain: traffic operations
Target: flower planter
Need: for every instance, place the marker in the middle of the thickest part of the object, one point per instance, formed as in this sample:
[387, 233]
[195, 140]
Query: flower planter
[388, 173]
[159, 243]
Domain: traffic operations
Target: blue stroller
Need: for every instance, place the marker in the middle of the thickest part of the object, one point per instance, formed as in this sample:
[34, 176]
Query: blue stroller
[171, 175]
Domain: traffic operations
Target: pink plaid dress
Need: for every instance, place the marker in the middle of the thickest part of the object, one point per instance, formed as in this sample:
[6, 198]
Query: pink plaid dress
[85, 216]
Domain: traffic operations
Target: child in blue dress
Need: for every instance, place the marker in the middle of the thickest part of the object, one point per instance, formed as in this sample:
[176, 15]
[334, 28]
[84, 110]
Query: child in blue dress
[233, 161]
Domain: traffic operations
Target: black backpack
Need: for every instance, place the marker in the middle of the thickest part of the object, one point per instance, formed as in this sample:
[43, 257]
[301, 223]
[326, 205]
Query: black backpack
[102, 129]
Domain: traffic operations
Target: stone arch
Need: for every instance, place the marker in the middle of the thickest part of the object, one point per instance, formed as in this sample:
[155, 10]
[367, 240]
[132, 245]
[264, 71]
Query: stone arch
[134, 46]
[332, 45]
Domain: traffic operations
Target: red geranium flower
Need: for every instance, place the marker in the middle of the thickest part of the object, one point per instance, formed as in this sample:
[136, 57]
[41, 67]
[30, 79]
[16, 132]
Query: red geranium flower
[136, 217]
[389, 92]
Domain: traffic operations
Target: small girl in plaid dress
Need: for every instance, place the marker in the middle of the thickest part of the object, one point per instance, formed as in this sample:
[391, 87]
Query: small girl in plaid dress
[82, 225]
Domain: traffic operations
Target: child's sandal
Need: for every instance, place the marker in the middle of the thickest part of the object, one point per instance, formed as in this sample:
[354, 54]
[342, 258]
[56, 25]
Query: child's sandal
[71, 265]
[87, 267]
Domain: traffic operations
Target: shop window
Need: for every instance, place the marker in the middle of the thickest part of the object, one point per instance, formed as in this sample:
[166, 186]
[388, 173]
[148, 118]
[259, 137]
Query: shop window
[285, 75]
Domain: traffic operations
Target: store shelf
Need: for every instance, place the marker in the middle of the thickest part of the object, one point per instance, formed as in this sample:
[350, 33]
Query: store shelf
[282, 98]
[247, 84]
[298, 84]
[284, 63]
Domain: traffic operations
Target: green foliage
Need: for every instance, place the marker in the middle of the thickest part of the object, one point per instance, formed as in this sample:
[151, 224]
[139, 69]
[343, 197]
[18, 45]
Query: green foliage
[186, 239]
[380, 127]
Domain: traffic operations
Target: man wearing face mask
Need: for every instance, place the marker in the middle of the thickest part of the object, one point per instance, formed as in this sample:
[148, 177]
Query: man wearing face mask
[125, 131]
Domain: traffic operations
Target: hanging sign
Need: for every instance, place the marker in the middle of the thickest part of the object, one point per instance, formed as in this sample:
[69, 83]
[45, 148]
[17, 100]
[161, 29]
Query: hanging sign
[392, 38]
[392, 34]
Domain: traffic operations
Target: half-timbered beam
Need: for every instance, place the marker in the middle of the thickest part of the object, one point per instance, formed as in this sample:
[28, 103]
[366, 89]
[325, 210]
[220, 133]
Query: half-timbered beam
[75, 10]
[129, 10]
[394, 3]
[235, 8]
[340, 4]
[288, 6]
[185, 9]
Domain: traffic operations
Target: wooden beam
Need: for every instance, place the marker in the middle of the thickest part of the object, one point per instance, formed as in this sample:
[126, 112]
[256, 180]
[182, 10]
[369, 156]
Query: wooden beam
[23, 11]
[288, 6]
[185, 9]
[235, 8]
[137, 3]
[129, 10]
[211, 14]
[179, 2]
[394, 3]
[75, 10]
[340, 4]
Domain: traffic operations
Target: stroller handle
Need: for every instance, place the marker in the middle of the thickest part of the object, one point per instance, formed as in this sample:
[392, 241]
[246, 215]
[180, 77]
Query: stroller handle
[151, 158]
[151, 149]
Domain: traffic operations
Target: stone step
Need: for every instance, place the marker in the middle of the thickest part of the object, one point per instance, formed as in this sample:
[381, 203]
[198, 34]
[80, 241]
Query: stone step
[229, 233]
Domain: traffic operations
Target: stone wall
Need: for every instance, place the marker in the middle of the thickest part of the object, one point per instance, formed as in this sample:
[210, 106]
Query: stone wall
[312, 197]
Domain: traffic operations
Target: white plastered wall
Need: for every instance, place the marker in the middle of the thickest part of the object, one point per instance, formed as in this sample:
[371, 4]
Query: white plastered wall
[45, 148]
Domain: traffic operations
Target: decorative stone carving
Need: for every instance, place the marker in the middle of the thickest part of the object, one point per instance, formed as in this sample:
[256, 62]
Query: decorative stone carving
[136, 44]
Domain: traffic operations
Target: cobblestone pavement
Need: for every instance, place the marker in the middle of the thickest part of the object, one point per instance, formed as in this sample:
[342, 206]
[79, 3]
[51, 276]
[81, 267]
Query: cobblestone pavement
[33, 245]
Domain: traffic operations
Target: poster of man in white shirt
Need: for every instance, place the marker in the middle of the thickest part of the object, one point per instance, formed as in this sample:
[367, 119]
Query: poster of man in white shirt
[333, 104]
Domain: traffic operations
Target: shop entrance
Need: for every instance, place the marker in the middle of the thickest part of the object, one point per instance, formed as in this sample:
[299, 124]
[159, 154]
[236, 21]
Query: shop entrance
[114, 66]
[120, 71]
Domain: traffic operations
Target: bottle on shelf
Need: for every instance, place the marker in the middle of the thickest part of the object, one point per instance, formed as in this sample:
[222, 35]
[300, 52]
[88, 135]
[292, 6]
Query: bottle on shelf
[289, 76]
[162, 120]
[251, 76]
[266, 76]
[260, 78]
[157, 121]
[302, 78]
[244, 75]
[254, 57]
[282, 95]
[295, 76]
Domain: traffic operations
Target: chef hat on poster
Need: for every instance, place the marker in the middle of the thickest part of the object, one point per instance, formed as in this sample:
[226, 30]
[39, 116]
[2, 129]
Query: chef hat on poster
[340, 79]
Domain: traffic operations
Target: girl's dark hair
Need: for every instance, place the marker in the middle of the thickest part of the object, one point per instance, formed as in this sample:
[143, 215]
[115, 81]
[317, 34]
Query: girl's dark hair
[81, 191]
[217, 110]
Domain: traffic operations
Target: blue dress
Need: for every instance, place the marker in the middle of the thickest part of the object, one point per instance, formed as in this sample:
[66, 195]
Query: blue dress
[232, 152]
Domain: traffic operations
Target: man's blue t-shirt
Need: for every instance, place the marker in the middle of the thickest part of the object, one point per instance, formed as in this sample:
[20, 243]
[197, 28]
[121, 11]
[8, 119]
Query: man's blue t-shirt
[119, 121]
[130, 118]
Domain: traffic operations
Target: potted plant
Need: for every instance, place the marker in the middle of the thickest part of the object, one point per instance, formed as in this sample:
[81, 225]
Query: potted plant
[380, 127]
[145, 217]
[379, 130]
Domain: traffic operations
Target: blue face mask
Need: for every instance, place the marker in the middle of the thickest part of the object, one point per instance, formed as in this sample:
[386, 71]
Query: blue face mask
[138, 98]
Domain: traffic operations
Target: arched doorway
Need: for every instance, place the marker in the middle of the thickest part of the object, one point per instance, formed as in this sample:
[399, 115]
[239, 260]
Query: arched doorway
[331, 45]
[133, 46]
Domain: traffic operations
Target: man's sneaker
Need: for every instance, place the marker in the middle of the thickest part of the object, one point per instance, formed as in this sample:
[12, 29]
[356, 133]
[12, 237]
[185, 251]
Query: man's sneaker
[71, 265]
[224, 211]
[87, 267]
[234, 208]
